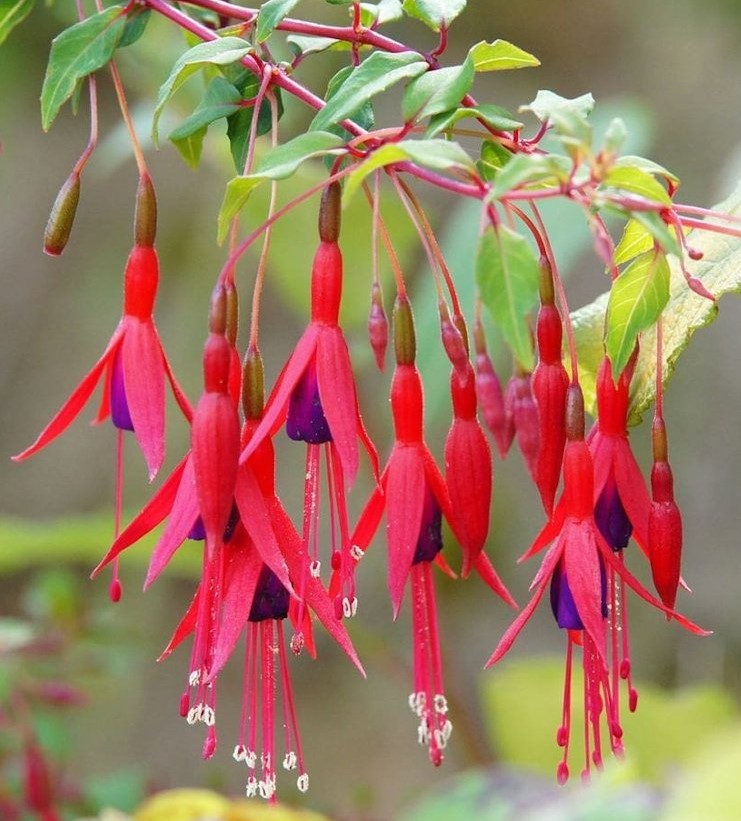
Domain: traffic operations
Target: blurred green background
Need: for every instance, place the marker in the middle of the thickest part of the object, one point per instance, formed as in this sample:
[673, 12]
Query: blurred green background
[671, 70]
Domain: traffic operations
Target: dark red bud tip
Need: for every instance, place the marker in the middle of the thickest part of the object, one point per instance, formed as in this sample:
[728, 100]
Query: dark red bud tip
[378, 334]
[633, 700]
[217, 311]
[700, 289]
[330, 213]
[624, 668]
[253, 384]
[562, 736]
[562, 773]
[574, 413]
[405, 343]
[545, 283]
[184, 705]
[695, 253]
[145, 214]
[62, 216]
[232, 314]
[658, 440]
[454, 345]
[115, 590]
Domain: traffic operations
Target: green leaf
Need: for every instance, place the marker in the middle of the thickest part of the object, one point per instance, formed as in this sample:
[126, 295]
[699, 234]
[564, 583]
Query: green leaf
[636, 239]
[493, 158]
[220, 100]
[373, 76]
[239, 124]
[440, 155]
[304, 44]
[220, 52]
[363, 116]
[190, 145]
[649, 166]
[528, 169]
[386, 11]
[568, 118]
[271, 14]
[507, 276]
[615, 136]
[135, 26]
[75, 53]
[13, 12]
[281, 162]
[436, 14]
[637, 181]
[494, 115]
[436, 91]
[500, 55]
[637, 298]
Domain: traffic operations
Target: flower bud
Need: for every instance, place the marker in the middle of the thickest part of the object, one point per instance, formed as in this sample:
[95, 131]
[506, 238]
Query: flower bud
[330, 213]
[453, 341]
[62, 216]
[378, 327]
[574, 413]
[521, 409]
[253, 384]
[405, 343]
[145, 214]
[218, 310]
[491, 396]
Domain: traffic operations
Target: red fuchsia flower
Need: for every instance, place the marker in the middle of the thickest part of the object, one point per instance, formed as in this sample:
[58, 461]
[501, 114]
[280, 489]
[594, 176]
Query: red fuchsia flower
[549, 384]
[664, 520]
[133, 365]
[522, 415]
[415, 497]
[316, 398]
[38, 783]
[575, 568]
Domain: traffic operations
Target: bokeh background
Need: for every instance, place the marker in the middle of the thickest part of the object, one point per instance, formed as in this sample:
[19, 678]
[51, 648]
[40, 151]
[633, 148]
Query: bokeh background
[670, 69]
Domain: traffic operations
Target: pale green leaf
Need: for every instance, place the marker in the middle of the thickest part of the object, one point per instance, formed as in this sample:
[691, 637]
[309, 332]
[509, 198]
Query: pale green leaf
[500, 55]
[507, 276]
[494, 157]
[220, 100]
[277, 164]
[550, 106]
[436, 14]
[136, 26]
[271, 14]
[305, 44]
[637, 298]
[529, 169]
[220, 52]
[636, 239]
[639, 182]
[13, 12]
[615, 136]
[190, 145]
[436, 91]
[494, 115]
[77, 52]
[373, 76]
[386, 11]
[649, 166]
[384, 155]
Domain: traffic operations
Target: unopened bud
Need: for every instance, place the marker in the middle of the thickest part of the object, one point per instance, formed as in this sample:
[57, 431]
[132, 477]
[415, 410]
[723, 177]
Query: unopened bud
[145, 215]
[232, 314]
[253, 384]
[217, 315]
[62, 216]
[405, 343]
[330, 213]
[378, 327]
[545, 283]
[658, 440]
[453, 342]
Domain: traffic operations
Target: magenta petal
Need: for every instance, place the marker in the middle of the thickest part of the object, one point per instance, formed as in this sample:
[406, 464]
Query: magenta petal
[154, 512]
[582, 568]
[144, 378]
[277, 404]
[489, 575]
[633, 492]
[254, 515]
[185, 627]
[183, 515]
[405, 493]
[337, 394]
[508, 639]
[242, 574]
[72, 407]
[548, 533]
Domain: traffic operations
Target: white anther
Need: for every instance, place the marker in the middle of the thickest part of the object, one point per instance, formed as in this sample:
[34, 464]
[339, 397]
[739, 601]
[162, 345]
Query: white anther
[346, 608]
[354, 606]
[357, 552]
[251, 759]
[194, 678]
[447, 730]
[240, 753]
[208, 717]
[413, 702]
[440, 741]
[302, 782]
[297, 643]
[308, 476]
[195, 714]
[265, 761]
[441, 704]
[423, 735]
[314, 568]
[289, 761]
[267, 788]
[421, 704]
[251, 788]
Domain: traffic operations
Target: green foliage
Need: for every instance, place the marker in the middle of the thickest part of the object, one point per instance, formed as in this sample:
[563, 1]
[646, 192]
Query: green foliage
[12, 13]
[220, 52]
[271, 14]
[499, 56]
[437, 14]
[494, 115]
[507, 275]
[373, 76]
[637, 298]
[437, 91]
[136, 25]
[220, 100]
[77, 52]
[522, 169]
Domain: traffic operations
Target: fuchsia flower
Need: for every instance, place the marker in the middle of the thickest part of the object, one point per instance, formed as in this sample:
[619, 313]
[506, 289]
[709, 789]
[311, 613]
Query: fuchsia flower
[415, 497]
[133, 365]
[574, 568]
[316, 398]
